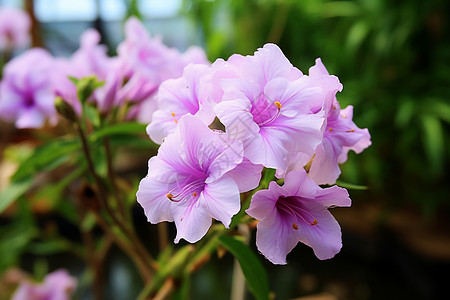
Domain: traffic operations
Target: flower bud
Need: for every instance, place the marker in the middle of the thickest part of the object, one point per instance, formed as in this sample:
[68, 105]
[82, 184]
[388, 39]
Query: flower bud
[65, 109]
[86, 86]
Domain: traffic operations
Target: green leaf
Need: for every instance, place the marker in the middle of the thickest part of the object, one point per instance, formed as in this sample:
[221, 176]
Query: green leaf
[92, 115]
[433, 142]
[122, 128]
[254, 272]
[351, 186]
[46, 157]
[13, 192]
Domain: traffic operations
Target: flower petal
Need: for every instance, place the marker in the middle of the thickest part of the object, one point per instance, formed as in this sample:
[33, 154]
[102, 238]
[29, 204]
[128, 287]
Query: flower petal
[191, 219]
[222, 199]
[324, 237]
[151, 195]
[275, 238]
[334, 196]
[264, 201]
[324, 167]
[247, 175]
[297, 183]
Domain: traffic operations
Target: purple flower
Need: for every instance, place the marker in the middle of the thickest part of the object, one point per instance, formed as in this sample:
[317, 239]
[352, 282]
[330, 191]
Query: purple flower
[14, 28]
[90, 58]
[26, 93]
[151, 58]
[190, 180]
[177, 97]
[340, 135]
[145, 62]
[58, 285]
[297, 211]
[270, 108]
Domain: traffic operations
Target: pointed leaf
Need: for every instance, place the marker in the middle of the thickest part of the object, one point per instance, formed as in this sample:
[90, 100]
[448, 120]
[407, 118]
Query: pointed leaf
[254, 272]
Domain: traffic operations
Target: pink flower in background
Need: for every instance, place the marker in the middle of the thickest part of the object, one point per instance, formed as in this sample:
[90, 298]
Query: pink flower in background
[91, 58]
[297, 212]
[269, 108]
[151, 58]
[58, 285]
[14, 29]
[26, 91]
[146, 62]
[189, 181]
[177, 97]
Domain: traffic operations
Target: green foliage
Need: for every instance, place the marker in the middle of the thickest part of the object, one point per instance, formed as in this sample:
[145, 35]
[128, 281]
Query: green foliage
[46, 157]
[254, 272]
[16, 236]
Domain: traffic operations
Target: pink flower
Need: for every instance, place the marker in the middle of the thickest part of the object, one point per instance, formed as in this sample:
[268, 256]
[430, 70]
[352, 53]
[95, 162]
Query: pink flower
[14, 28]
[297, 211]
[177, 97]
[270, 108]
[145, 63]
[26, 92]
[340, 134]
[58, 285]
[190, 180]
[151, 58]
[91, 58]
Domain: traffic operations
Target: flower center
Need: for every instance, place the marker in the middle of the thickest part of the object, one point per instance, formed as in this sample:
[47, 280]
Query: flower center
[182, 193]
[266, 113]
[28, 101]
[292, 207]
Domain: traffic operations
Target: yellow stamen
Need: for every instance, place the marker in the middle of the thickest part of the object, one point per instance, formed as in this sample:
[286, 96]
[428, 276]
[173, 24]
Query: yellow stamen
[173, 114]
[176, 121]
[314, 222]
[194, 194]
[330, 129]
[344, 116]
[295, 226]
[169, 196]
[278, 104]
[334, 107]
[352, 130]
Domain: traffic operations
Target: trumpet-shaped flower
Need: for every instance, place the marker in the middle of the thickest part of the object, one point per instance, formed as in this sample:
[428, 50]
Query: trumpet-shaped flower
[270, 107]
[189, 181]
[177, 97]
[26, 96]
[297, 211]
[58, 285]
[340, 134]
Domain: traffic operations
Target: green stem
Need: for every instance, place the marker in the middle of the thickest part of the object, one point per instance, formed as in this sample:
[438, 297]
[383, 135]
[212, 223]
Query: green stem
[112, 178]
[147, 260]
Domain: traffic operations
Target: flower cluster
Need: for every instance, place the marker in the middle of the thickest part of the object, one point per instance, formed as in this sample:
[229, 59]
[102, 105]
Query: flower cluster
[32, 80]
[271, 115]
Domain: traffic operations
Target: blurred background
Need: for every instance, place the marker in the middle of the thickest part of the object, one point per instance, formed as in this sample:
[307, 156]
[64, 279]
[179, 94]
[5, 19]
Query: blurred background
[393, 58]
